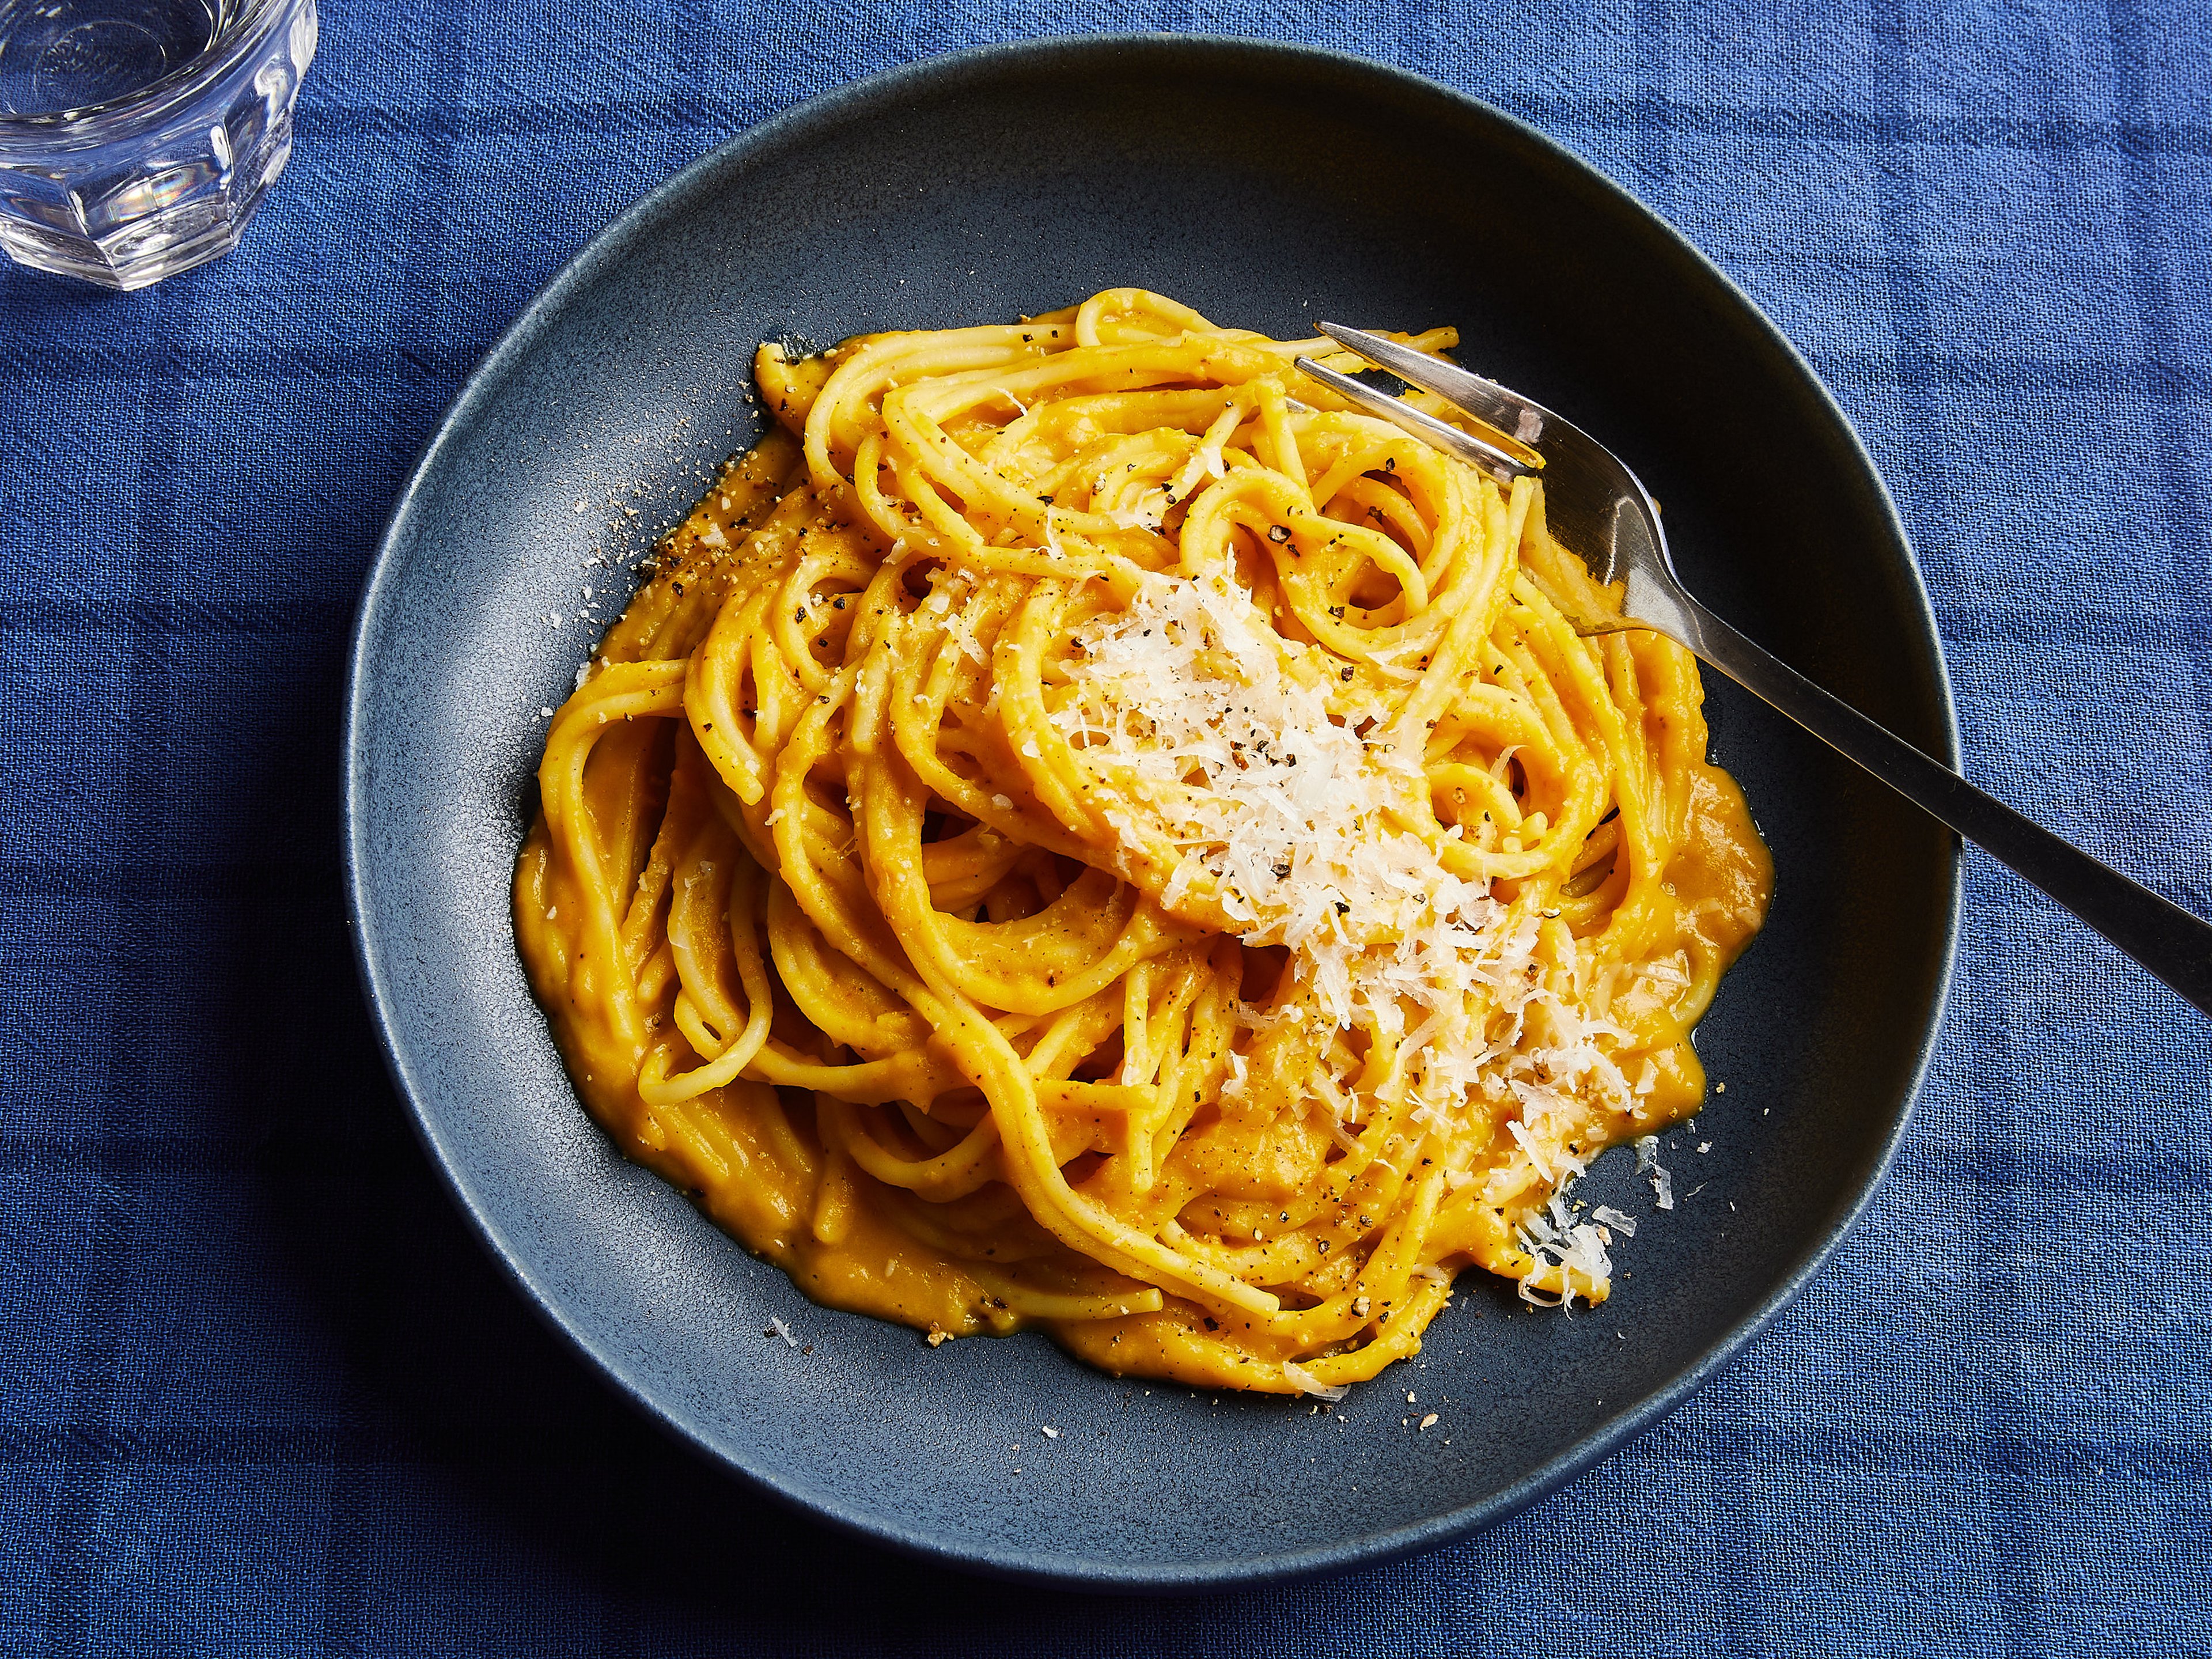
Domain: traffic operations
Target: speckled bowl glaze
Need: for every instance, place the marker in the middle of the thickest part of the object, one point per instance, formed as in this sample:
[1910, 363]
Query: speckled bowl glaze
[1266, 186]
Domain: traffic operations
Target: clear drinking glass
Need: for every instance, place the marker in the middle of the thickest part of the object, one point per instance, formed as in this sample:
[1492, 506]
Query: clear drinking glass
[136, 136]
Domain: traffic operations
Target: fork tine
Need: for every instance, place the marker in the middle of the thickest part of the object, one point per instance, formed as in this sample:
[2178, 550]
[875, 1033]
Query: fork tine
[1486, 457]
[1487, 401]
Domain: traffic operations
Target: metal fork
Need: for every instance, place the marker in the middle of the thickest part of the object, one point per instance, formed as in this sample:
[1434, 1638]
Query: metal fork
[1602, 514]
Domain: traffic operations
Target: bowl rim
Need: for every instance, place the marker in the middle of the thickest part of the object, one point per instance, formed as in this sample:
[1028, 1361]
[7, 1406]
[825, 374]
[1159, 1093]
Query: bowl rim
[609, 245]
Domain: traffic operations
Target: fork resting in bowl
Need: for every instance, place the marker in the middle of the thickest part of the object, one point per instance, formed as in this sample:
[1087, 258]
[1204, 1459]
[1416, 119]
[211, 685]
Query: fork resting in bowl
[1603, 514]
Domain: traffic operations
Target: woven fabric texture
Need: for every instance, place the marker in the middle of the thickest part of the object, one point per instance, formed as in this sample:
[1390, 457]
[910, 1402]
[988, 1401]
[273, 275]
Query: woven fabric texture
[260, 1392]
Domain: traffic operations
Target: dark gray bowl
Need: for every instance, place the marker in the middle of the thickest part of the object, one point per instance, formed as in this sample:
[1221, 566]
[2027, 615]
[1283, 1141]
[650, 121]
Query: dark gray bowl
[1266, 186]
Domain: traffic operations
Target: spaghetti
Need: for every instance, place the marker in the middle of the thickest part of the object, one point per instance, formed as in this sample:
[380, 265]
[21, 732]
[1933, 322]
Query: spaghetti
[1081, 828]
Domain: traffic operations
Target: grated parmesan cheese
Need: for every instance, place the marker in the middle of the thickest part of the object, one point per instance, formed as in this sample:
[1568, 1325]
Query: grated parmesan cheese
[1253, 756]
[1556, 1239]
[1306, 1383]
[1647, 1162]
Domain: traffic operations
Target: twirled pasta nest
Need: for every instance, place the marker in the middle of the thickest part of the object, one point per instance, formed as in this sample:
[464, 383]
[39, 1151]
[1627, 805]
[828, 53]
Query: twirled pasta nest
[1081, 828]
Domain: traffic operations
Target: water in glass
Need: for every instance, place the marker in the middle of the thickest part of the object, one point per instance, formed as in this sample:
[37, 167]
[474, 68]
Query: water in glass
[137, 137]
[57, 55]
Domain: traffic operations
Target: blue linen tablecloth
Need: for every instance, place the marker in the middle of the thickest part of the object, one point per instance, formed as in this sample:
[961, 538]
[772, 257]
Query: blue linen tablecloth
[260, 1392]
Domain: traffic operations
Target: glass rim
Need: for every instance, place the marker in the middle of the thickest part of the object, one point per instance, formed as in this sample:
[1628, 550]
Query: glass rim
[244, 32]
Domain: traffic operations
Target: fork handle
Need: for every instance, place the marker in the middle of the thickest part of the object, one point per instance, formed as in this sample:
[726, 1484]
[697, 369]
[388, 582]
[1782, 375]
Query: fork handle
[2165, 938]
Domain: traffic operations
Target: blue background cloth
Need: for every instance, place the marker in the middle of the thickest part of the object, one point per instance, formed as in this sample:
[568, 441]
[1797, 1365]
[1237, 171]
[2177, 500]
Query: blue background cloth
[261, 1392]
